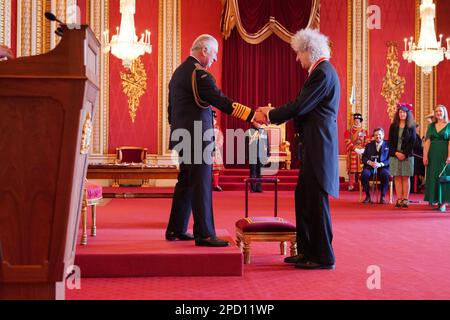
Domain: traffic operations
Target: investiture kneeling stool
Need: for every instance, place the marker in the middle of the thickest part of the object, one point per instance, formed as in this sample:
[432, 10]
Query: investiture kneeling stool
[250, 229]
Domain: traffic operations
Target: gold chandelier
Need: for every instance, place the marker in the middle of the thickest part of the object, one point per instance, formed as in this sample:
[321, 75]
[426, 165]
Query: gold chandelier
[125, 44]
[429, 51]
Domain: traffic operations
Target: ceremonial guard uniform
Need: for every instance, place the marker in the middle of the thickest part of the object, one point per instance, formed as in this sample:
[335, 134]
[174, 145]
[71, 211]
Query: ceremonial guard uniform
[355, 140]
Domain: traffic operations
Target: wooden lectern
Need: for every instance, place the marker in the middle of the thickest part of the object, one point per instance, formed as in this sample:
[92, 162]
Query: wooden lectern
[47, 104]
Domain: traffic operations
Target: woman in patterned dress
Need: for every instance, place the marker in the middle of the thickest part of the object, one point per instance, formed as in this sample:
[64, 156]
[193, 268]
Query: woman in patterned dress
[402, 135]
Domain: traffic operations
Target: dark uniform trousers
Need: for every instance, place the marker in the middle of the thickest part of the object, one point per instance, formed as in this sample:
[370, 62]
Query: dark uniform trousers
[192, 194]
[312, 211]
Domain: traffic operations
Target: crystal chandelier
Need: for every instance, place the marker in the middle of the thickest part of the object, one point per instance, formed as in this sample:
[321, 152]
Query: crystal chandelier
[124, 44]
[428, 52]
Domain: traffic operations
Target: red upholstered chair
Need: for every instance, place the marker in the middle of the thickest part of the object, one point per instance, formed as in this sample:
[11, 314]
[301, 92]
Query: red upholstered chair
[278, 146]
[131, 155]
[92, 196]
[267, 228]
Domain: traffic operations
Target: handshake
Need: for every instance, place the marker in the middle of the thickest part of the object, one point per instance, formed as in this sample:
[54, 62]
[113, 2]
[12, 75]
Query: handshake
[261, 116]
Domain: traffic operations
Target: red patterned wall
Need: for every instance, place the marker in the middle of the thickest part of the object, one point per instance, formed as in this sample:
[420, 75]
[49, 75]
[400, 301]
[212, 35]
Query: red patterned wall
[14, 26]
[397, 22]
[82, 5]
[443, 69]
[198, 17]
[144, 131]
[333, 23]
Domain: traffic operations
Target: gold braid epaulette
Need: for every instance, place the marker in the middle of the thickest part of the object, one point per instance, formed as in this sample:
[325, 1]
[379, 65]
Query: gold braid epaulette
[200, 103]
[240, 111]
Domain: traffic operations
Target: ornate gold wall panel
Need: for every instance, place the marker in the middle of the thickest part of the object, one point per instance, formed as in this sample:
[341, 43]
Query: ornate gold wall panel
[425, 89]
[169, 44]
[359, 61]
[393, 84]
[97, 15]
[5, 22]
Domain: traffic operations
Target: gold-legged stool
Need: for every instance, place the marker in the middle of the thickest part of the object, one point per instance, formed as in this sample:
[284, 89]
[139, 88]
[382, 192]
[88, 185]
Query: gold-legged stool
[92, 196]
[251, 229]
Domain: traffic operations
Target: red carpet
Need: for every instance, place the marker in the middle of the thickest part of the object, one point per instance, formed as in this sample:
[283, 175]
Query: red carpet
[411, 247]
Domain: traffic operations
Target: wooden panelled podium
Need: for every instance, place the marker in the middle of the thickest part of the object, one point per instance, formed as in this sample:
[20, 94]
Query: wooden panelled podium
[47, 105]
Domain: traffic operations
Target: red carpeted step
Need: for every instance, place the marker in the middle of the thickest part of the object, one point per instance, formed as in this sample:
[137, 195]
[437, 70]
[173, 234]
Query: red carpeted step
[125, 252]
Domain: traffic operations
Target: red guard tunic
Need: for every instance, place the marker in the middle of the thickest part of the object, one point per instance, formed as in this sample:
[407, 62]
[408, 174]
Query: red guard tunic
[355, 138]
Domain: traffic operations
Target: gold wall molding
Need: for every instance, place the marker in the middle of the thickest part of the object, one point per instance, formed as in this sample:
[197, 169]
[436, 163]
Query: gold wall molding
[97, 16]
[359, 80]
[425, 89]
[393, 84]
[169, 47]
[5, 22]
[231, 19]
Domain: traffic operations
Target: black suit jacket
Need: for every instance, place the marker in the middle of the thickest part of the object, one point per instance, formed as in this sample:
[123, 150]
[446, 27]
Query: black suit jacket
[315, 115]
[370, 151]
[192, 90]
[408, 140]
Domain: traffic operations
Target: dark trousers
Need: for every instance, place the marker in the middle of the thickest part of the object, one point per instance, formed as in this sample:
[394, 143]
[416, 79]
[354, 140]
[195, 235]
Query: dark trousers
[255, 172]
[193, 192]
[312, 210]
[383, 177]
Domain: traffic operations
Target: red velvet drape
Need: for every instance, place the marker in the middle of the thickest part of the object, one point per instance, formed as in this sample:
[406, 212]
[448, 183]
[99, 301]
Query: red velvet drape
[256, 75]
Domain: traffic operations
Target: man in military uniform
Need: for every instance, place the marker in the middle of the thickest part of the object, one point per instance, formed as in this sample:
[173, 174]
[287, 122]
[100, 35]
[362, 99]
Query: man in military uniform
[192, 92]
[355, 140]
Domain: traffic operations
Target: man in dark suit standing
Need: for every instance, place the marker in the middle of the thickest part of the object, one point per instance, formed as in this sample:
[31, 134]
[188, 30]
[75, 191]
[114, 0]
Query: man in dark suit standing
[192, 92]
[315, 115]
[376, 157]
[257, 154]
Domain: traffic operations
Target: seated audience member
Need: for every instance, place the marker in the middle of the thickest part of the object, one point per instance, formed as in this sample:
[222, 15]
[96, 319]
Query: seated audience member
[376, 157]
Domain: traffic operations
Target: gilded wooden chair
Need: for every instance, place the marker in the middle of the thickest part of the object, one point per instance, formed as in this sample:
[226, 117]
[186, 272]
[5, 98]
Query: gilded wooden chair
[279, 150]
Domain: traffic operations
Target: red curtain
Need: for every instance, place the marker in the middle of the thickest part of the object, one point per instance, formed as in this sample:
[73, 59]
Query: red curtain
[256, 75]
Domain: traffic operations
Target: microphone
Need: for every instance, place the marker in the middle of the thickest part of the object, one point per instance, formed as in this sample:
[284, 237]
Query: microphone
[51, 17]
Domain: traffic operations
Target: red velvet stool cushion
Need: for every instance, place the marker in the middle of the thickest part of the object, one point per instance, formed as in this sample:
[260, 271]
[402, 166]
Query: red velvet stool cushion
[265, 224]
[94, 191]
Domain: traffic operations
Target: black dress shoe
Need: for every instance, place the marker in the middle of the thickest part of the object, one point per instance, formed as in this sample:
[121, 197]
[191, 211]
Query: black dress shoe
[218, 188]
[295, 259]
[383, 201]
[367, 200]
[310, 265]
[172, 236]
[211, 242]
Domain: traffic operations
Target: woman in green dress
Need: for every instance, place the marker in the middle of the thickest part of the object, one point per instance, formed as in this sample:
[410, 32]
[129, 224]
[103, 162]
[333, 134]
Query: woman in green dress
[436, 154]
